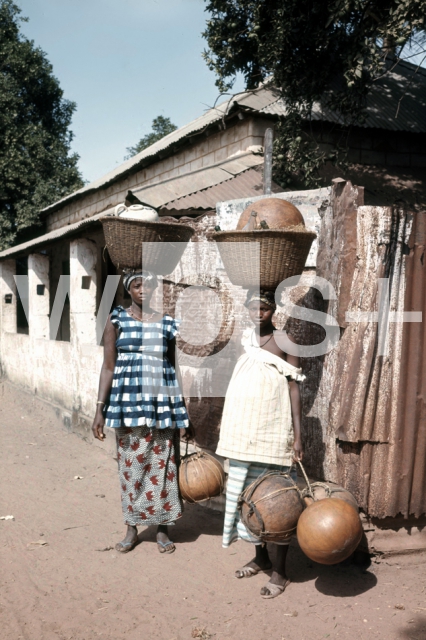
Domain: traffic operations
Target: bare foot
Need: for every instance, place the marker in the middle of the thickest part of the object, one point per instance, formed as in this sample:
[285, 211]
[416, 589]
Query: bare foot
[129, 542]
[165, 545]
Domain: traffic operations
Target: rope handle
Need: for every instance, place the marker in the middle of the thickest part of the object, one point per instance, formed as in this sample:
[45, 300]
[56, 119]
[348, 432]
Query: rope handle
[306, 480]
[197, 450]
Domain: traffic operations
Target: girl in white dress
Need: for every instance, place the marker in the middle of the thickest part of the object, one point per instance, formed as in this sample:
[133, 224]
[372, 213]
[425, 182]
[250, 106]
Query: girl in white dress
[260, 428]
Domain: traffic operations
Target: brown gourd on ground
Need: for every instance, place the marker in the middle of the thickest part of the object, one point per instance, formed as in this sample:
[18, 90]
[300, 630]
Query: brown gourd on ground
[277, 213]
[201, 477]
[271, 506]
[329, 531]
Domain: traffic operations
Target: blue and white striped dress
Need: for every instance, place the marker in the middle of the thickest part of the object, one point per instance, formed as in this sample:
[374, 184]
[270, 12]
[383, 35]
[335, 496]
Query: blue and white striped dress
[145, 391]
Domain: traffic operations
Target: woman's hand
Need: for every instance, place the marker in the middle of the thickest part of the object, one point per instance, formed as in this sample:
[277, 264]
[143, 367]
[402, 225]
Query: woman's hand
[98, 427]
[297, 451]
[188, 433]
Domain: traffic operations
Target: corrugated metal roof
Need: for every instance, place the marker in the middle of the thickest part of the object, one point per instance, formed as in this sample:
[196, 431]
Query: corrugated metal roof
[399, 86]
[234, 178]
[47, 238]
[246, 184]
[397, 102]
[192, 128]
[161, 193]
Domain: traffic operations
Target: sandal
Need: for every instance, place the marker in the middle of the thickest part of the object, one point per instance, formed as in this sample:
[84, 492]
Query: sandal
[248, 572]
[125, 547]
[273, 589]
[164, 545]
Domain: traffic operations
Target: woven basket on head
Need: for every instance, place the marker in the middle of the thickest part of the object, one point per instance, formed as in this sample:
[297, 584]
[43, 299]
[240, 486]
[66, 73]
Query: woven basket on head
[282, 254]
[124, 238]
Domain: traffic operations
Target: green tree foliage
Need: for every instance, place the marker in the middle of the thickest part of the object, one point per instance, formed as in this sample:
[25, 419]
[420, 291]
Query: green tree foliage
[161, 127]
[36, 166]
[327, 51]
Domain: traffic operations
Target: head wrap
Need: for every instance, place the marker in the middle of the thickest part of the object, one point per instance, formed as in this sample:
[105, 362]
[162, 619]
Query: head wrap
[146, 275]
[265, 297]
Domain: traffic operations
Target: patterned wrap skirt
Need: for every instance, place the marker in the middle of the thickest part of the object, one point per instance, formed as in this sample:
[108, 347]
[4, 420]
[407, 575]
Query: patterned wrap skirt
[148, 461]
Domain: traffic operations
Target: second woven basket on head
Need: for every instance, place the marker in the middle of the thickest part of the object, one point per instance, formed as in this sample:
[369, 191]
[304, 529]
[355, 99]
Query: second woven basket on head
[282, 253]
[265, 257]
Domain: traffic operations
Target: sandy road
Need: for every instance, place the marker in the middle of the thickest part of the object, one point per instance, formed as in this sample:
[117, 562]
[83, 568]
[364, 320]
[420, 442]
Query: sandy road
[77, 587]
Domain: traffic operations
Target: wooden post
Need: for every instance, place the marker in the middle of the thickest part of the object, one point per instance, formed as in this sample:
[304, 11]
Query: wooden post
[267, 166]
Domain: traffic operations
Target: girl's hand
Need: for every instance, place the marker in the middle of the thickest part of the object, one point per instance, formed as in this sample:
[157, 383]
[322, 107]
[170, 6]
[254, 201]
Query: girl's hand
[98, 427]
[298, 451]
[188, 433]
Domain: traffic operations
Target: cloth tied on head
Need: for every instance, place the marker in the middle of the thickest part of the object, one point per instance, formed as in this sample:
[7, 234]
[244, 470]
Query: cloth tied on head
[132, 275]
[265, 297]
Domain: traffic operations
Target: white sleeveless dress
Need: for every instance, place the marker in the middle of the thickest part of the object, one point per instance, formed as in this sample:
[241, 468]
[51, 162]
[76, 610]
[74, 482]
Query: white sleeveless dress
[257, 424]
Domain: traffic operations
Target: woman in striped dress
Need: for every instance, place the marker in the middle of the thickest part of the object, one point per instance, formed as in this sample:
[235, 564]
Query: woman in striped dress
[139, 397]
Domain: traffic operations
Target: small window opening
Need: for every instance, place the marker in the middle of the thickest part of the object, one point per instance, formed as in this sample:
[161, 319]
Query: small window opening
[85, 282]
[21, 318]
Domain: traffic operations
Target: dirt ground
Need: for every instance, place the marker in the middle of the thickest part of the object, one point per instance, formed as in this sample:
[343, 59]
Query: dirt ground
[62, 579]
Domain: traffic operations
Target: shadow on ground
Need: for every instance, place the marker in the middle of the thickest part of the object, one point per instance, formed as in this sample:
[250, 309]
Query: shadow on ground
[195, 522]
[344, 580]
[415, 629]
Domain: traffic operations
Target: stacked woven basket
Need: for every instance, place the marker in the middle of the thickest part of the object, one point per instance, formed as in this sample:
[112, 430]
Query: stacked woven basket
[137, 242]
[283, 245]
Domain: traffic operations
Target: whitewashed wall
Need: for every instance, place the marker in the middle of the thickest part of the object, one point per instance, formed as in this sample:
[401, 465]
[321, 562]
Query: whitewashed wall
[63, 373]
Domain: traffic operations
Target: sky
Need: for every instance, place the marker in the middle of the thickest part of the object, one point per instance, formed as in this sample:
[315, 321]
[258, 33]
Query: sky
[123, 62]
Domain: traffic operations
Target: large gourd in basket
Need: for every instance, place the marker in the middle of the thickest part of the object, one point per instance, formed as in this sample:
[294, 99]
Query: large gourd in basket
[201, 477]
[270, 507]
[277, 213]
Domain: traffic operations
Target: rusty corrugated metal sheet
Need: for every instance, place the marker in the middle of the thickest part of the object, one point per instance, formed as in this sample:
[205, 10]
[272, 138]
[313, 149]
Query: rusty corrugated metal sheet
[386, 468]
[374, 424]
[409, 491]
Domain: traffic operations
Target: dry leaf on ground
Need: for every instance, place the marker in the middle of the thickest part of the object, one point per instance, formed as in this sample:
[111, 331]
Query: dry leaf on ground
[201, 632]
